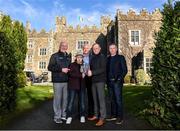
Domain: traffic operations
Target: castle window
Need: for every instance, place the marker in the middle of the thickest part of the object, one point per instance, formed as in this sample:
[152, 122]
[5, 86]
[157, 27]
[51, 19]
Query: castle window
[81, 43]
[148, 64]
[30, 44]
[42, 51]
[42, 65]
[29, 58]
[134, 37]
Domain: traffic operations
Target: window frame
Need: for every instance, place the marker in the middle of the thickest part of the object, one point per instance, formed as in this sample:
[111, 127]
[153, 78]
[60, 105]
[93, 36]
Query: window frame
[82, 42]
[149, 63]
[42, 51]
[30, 42]
[135, 43]
[40, 65]
[28, 61]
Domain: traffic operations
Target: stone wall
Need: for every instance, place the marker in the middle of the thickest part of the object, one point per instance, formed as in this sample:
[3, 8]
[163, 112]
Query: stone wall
[144, 22]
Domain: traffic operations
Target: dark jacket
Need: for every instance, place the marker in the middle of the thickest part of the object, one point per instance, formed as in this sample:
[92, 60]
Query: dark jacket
[58, 61]
[75, 77]
[116, 69]
[98, 68]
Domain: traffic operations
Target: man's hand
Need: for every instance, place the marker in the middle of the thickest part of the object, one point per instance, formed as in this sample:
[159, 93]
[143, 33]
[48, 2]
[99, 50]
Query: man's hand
[89, 73]
[65, 70]
[83, 75]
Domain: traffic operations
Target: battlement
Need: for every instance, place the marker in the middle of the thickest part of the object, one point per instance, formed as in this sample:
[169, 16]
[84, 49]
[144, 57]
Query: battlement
[42, 33]
[61, 25]
[143, 15]
[60, 20]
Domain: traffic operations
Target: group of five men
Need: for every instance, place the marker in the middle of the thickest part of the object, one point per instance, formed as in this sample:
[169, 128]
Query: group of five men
[90, 72]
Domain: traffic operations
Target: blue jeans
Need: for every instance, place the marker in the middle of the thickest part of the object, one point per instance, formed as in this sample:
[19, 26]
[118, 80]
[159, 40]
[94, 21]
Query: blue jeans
[81, 98]
[115, 93]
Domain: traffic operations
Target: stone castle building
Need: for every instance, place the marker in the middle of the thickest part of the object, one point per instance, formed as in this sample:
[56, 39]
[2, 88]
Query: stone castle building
[133, 33]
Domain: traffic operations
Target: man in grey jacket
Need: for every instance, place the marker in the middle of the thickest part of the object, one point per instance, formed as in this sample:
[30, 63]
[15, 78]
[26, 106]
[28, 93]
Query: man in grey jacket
[58, 65]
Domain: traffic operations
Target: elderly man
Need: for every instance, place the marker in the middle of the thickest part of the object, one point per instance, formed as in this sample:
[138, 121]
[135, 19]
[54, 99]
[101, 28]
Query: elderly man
[98, 73]
[58, 65]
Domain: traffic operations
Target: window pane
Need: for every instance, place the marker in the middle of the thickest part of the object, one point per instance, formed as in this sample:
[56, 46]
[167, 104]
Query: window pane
[150, 59]
[147, 59]
[147, 65]
[132, 33]
[137, 38]
[147, 70]
[137, 33]
[81, 43]
[132, 38]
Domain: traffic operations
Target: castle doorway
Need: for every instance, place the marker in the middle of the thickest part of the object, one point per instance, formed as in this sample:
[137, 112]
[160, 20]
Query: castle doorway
[137, 63]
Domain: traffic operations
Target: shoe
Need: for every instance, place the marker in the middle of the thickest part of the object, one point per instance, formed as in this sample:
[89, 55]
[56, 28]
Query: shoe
[111, 119]
[119, 121]
[63, 118]
[82, 119]
[69, 120]
[92, 118]
[100, 122]
[58, 120]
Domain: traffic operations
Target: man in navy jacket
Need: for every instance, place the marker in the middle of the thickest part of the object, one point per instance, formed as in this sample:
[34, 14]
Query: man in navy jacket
[116, 71]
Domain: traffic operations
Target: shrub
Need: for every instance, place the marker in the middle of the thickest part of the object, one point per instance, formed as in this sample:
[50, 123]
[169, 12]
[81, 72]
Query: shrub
[140, 76]
[147, 79]
[21, 79]
[127, 79]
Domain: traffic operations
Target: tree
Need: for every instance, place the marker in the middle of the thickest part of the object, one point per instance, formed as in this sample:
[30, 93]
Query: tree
[165, 73]
[13, 49]
[8, 73]
[20, 40]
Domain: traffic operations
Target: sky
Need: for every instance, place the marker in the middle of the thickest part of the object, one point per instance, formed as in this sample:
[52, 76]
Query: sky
[42, 13]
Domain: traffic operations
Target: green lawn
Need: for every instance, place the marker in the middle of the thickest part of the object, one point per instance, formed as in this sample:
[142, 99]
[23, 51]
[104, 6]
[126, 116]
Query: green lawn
[135, 98]
[30, 96]
[27, 98]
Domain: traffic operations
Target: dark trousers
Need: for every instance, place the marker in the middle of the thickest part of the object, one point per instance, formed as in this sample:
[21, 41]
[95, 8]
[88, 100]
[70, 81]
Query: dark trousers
[88, 84]
[115, 93]
[71, 97]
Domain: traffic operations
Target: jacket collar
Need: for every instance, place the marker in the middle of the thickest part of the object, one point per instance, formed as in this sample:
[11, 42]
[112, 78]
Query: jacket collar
[63, 53]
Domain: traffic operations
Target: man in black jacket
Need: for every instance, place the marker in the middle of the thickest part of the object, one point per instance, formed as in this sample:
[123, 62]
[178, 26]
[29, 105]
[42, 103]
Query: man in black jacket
[116, 71]
[58, 65]
[98, 73]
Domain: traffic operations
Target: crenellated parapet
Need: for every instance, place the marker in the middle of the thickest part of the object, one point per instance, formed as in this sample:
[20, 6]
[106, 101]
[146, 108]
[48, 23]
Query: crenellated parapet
[61, 26]
[41, 33]
[143, 15]
[60, 20]
[83, 29]
[105, 20]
